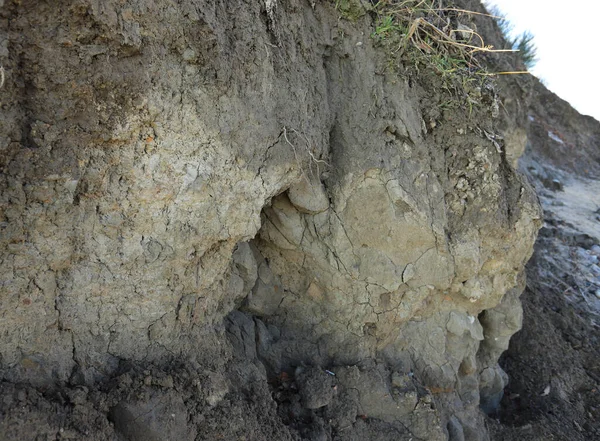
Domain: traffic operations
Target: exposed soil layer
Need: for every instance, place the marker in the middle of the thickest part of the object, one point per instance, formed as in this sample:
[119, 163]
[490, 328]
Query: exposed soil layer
[252, 221]
[234, 398]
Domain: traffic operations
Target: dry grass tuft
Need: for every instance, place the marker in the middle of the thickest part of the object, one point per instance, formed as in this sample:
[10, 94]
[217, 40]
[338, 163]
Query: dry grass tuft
[430, 28]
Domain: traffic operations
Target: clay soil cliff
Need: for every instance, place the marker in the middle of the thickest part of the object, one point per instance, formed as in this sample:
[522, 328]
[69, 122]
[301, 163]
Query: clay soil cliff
[277, 220]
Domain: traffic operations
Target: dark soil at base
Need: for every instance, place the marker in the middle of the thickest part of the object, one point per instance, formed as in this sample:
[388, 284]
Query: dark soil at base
[554, 361]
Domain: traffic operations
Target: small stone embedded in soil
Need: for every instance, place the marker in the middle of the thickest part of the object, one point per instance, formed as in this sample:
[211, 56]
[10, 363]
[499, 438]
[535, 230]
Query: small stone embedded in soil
[309, 196]
[546, 391]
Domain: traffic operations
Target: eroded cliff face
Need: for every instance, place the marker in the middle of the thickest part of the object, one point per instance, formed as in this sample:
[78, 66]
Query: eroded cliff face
[247, 190]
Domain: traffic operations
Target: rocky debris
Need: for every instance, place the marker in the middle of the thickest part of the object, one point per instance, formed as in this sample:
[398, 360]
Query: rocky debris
[553, 362]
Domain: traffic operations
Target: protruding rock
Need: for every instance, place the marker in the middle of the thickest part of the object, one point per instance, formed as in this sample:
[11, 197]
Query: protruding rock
[309, 196]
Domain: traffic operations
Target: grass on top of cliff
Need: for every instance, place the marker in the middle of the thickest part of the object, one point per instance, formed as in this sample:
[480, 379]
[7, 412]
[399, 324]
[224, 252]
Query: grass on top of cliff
[429, 34]
[523, 43]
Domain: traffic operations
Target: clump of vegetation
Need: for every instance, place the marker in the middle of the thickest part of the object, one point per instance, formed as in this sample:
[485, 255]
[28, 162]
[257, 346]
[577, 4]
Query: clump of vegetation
[351, 10]
[522, 43]
[445, 33]
[527, 50]
[435, 35]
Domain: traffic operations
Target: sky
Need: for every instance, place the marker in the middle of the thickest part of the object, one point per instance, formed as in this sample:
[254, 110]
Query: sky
[566, 35]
